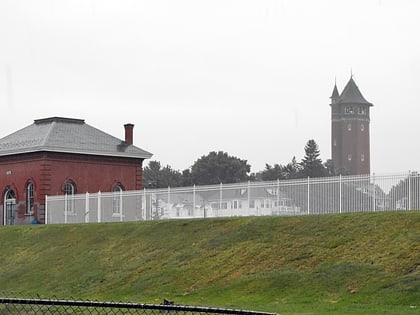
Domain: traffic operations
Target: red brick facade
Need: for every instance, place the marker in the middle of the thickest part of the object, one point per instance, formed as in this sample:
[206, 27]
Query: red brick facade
[48, 173]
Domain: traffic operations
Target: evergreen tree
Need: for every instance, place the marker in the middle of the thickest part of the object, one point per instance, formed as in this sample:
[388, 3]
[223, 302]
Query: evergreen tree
[311, 164]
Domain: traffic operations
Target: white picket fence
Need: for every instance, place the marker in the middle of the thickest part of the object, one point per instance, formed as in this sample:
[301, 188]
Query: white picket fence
[341, 194]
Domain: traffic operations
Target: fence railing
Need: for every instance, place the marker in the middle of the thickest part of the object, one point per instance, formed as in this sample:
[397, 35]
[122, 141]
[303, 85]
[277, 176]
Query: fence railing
[341, 194]
[55, 306]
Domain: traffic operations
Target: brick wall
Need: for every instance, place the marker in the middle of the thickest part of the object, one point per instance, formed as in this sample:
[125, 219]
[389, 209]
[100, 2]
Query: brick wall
[50, 171]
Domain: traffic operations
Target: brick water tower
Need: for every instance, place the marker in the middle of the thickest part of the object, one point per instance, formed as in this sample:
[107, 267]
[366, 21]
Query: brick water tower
[350, 144]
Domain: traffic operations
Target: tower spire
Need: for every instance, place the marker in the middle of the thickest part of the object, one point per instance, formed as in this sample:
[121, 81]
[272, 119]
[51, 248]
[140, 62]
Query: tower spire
[335, 96]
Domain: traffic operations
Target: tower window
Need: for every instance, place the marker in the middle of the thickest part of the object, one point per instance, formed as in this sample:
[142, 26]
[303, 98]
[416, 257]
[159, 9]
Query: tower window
[349, 127]
[362, 127]
[349, 110]
[334, 142]
[349, 157]
[362, 110]
[362, 157]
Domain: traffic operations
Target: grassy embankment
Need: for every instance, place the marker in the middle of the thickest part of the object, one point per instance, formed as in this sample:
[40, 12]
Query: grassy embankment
[336, 264]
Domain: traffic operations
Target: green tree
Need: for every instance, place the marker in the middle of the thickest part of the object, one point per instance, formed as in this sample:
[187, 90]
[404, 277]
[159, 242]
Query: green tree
[330, 169]
[311, 164]
[255, 177]
[219, 167]
[156, 176]
[272, 172]
[293, 170]
[187, 179]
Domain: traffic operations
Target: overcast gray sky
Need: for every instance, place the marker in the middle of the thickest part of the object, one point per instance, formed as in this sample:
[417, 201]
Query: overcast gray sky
[252, 78]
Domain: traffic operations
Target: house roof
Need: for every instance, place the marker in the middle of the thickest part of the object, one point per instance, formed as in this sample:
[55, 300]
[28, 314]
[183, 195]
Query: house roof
[202, 197]
[231, 194]
[351, 95]
[67, 135]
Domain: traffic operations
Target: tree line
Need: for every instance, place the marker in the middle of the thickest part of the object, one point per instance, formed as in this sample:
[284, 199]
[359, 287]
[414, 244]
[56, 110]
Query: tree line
[220, 167]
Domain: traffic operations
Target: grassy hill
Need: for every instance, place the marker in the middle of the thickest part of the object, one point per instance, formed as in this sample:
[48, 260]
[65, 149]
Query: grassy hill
[338, 264]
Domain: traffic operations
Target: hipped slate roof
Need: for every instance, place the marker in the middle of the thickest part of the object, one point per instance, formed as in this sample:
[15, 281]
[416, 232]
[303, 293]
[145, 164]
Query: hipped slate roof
[67, 135]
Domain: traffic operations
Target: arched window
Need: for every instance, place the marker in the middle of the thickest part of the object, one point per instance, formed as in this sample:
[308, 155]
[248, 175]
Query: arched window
[10, 207]
[69, 190]
[29, 198]
[117, 199]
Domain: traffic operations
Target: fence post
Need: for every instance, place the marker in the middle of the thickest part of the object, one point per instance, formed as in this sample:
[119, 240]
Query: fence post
[220, 196]
[308, 195]
[121, 205]
[144, 206]
[65, 208]
[169, 201]
[340, 193]
[99, 207]
[87, 208]
[249, 198]
[278, 196]
[193, 212]
[374, 193]
[46, 210]
[409, 190]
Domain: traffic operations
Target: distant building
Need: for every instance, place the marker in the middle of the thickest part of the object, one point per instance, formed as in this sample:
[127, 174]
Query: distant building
[350, 145]
[63, 156]
[255, 201]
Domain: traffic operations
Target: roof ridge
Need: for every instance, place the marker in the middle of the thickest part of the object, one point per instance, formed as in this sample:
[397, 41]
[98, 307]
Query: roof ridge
[52, 125]
[59, 119]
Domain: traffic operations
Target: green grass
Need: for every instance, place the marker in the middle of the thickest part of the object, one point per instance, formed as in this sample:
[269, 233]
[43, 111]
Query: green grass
[336, 264]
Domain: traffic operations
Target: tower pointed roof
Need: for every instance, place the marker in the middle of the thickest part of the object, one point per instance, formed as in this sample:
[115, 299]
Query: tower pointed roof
[335, 95]
[351, 94]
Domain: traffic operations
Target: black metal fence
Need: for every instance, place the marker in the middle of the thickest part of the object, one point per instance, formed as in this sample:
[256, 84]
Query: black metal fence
[58, 306]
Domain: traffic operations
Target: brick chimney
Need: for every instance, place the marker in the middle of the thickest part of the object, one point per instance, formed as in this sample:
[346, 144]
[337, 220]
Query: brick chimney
[129, 133]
